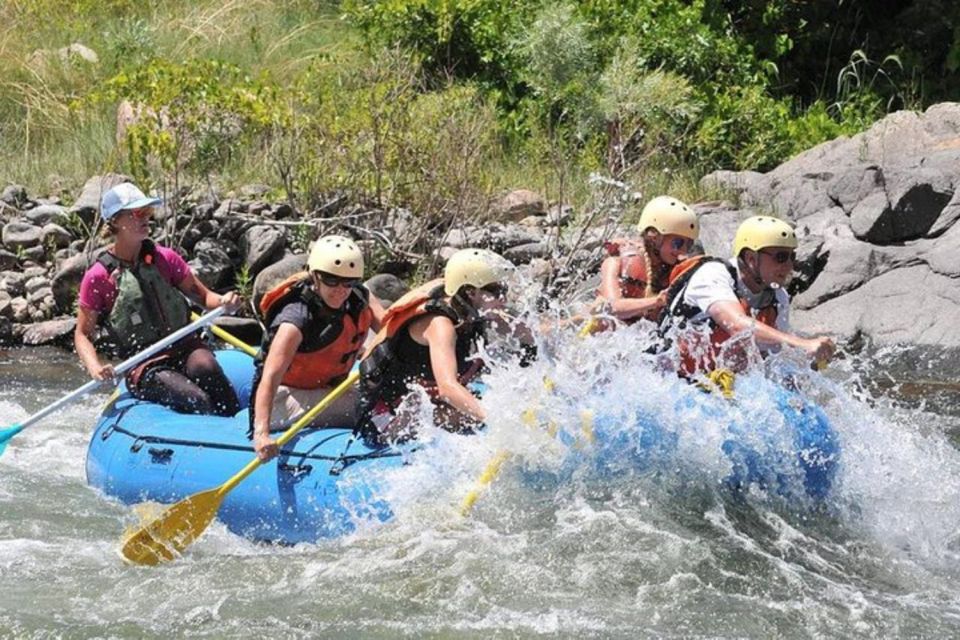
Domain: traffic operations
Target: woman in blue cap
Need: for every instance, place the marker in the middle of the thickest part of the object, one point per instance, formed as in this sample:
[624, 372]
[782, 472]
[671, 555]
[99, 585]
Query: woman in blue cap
[136, 290]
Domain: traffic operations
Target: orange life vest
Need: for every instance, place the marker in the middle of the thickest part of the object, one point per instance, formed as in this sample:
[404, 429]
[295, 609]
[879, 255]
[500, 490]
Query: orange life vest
[699, 352]
[332, 343]
[633, 268]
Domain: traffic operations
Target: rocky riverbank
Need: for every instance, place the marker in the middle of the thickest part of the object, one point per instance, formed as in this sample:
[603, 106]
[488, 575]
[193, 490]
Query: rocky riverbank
[876, 214]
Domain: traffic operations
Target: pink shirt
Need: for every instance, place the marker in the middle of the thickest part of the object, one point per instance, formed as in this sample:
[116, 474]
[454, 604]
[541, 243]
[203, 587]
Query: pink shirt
[98, 291]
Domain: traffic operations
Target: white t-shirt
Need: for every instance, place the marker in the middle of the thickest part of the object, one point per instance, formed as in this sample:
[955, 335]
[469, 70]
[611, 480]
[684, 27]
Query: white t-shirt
[712, 283]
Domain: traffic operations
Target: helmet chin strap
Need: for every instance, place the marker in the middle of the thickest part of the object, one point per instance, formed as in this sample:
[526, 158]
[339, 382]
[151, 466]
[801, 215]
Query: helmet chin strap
[464, 303]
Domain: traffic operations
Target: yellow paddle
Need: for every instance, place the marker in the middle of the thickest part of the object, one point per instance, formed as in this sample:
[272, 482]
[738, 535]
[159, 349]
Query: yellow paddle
[231, 339]
[166, 536]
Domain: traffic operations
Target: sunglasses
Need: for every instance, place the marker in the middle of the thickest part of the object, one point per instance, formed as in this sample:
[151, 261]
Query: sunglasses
[496, 290]
[143, 213]
[335, 281]
[781, 257]
[679, 244]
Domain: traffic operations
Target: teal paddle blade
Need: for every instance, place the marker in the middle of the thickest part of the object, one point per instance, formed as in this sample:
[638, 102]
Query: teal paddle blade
[6, 434]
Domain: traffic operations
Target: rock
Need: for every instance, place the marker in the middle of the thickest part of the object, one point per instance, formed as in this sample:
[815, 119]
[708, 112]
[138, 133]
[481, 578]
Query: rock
[21, 235]
[904, 206]
[20, 309]
[212, 264]
[77, 51]
[228, 207]
[37, 254]
[6, 331]
[524, 253]
[87, 205]
[261, 246]
[37, 296]
[66, 282]
[445, 253]
[50, 332]
[14, 195]
[387, 287]
[276, 273]
[518, 204]
[559, 215]
[255, 190]
[259, 208]
[7, 260]
[56, 236]
[533, 221]
[283, 211]
[35, 283]
[246, 330]
[47, 213]
[6, 309]
[13, 282]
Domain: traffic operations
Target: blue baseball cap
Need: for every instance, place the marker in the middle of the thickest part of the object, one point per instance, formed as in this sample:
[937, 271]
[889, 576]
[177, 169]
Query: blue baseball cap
[124, 196]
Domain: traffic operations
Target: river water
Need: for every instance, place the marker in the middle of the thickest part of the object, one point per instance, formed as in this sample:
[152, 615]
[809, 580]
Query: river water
[550, 549]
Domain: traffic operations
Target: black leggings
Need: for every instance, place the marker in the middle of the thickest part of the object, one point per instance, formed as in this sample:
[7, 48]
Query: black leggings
[192, 383]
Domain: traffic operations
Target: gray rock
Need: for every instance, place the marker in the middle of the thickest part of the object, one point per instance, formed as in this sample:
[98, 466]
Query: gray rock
[387, 287]
[35, 283]
[255, 190]
[87, 205]
[56, 236]
[559, 215]
[261, 246]
[905, 205]
[37, 296]
[66, 282]
[50, 332]
[47, 213]
[13, 282]
[7, 260]
[6, 331]
[20, 309]
[518, 204]
[276, 273]
[77, 51]
[445, 253]
[6, 309]
[524, 253]
[212, 264]
[229, 207]
[14, 195]
[33, 272]
[35, 254]
[21, 235]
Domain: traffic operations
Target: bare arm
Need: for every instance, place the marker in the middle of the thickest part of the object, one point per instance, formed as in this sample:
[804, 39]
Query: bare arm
[281, 353]
[731, 317]
[625, 308]
[83, 337]
[439, 334]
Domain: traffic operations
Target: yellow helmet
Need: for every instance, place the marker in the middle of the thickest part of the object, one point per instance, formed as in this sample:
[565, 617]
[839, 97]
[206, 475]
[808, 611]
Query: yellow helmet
[475, 267]
[336, 255]
[669, 215]
[760, 232]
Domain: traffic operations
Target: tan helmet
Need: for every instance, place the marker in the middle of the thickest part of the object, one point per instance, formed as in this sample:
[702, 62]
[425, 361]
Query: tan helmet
[474, 267]
[668, 215]
[760, 232]
[336, 255]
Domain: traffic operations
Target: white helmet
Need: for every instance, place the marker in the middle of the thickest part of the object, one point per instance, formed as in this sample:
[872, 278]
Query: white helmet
[669, 216]
[336, 255]
[476, 268]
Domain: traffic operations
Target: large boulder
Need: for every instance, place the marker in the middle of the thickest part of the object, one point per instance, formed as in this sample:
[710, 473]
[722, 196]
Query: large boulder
[212, 264]
[66, 282]
[387, 287]
[87, 204]
[47, 213]
[21, 235]
[876, 215]
[261, 246]
[58, 331]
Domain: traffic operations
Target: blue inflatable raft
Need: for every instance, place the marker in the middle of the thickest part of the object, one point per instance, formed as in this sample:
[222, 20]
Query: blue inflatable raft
[321, 486]
[326, 482]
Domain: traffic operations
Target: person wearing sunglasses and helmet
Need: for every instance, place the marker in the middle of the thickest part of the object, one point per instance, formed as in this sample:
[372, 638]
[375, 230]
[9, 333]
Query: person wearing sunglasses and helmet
[746, 296]
[429, 339]
[136, 290]
[634, 276]
[316, 323]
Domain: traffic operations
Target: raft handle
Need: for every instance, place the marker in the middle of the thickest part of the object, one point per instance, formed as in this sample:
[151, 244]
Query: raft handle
[136, 446]
[106, 433]
[296, 470]
[160, 456]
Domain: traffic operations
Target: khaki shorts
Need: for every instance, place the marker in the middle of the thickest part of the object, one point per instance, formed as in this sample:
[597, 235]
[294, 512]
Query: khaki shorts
[289, 404]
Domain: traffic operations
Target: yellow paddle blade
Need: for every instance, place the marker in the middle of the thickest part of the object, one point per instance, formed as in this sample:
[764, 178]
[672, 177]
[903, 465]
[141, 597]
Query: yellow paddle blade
[489, 473]
[164, 537]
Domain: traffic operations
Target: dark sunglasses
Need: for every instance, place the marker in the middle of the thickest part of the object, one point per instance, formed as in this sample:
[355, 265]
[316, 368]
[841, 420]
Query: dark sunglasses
[335, 281]
[496, 290]
[680, 244]
[780, 257]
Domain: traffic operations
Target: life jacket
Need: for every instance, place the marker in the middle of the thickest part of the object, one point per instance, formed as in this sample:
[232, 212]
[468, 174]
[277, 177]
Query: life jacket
[699, 351]
[147, 307]
[332, 339]
[383, 375]
[633, 268]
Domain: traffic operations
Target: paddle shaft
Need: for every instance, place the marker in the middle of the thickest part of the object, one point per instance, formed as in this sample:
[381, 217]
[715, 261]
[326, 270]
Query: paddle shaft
[124, 366]
[232, 339]
[288, 435]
